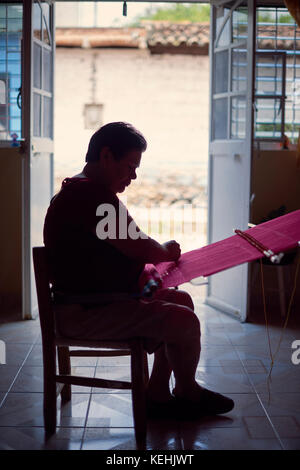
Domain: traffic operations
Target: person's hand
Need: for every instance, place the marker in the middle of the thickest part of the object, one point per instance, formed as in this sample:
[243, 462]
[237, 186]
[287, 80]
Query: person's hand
[149, 281]
[173, 249]
[156, 277]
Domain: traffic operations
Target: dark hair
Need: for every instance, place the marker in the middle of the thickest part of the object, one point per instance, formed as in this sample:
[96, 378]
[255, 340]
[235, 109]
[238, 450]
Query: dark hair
[120, 137]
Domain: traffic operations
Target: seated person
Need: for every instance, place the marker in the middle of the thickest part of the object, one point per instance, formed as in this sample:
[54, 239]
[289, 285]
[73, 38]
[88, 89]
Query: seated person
[97, 252]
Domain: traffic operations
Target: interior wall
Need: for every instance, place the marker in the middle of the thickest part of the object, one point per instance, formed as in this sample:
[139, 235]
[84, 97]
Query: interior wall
[138, 87]
[11, 230]
[275, 183]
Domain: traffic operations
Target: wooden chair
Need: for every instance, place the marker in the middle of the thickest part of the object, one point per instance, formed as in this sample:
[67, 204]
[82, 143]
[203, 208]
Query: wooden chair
[57, 347]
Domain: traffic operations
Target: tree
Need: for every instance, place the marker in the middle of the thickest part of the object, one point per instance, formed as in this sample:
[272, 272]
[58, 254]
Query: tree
[178, 12]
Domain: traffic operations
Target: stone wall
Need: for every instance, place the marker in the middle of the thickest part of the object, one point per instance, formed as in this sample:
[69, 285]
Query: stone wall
[165, 96]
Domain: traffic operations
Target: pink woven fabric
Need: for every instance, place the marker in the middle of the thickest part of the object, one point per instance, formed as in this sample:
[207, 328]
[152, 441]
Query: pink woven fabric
[279, 235]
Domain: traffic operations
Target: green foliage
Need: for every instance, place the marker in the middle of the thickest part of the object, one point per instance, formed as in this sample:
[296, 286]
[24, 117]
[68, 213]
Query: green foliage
[274, 127]
[193, 13]
[265, 17]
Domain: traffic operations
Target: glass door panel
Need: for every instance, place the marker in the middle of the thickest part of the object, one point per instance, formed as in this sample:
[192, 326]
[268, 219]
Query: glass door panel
[239, 70]
[232, 39]
[38, 170]
[270, 73]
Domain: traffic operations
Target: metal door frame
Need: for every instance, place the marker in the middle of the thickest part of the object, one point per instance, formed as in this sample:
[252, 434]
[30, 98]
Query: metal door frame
[27, 135]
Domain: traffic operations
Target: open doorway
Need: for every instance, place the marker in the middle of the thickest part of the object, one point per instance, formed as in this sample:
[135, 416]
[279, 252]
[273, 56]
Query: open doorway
[154, 74]
[151, 68]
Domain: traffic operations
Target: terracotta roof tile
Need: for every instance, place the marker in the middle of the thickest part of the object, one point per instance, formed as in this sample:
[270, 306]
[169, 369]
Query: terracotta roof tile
[174, 34]
[150, 34]
[100, 37]
[165, 36]
[285, 36]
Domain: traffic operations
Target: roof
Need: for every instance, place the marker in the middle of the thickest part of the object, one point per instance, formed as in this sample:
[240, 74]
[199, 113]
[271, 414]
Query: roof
[285, 36]
[159, 37]
[167, 37]
[185, 37]
[100, 37]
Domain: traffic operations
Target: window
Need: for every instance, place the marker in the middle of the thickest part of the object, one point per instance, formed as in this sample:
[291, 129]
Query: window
[270, 95]
[10, 70]
[42, 63]
[230, 72]
[277, 84]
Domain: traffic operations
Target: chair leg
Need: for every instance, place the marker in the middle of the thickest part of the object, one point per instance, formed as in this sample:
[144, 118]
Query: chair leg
[49, 390]
[64, 367]
[138, 392]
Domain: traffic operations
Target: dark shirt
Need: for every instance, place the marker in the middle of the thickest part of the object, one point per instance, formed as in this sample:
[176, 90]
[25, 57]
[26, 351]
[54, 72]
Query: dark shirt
[81, 262]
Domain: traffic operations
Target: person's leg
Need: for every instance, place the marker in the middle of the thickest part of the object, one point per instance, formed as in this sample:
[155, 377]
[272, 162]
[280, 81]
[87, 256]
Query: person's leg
[182, 346]
[175, 296]
[158, 389]
[158, 386]
[183, 352]
[158, 322]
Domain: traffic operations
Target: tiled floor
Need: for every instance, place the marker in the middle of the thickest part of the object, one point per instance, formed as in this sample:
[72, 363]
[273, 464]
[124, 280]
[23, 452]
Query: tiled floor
[235, 361]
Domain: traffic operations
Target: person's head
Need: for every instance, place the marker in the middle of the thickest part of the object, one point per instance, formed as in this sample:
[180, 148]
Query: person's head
[115, 150]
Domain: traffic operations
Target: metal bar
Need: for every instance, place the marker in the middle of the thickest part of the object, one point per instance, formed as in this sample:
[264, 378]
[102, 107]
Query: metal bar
[283, 96]
[233, 45]
[26, 183]
[52, 25]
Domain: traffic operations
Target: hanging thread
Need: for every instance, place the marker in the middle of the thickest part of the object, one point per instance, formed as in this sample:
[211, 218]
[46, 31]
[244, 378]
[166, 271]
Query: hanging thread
[272, 356]
[267, 326]
[274, 259]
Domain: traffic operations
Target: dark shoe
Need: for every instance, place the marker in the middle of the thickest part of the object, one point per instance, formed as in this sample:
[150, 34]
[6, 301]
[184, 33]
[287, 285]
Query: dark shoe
[210, 403]
[162, 410]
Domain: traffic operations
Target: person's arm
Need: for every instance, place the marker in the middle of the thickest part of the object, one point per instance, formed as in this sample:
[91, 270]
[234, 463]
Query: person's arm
[120, 230]
[148, 250]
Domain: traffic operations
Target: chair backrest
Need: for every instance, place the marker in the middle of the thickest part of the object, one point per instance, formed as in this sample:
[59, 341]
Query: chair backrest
[42, 280]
